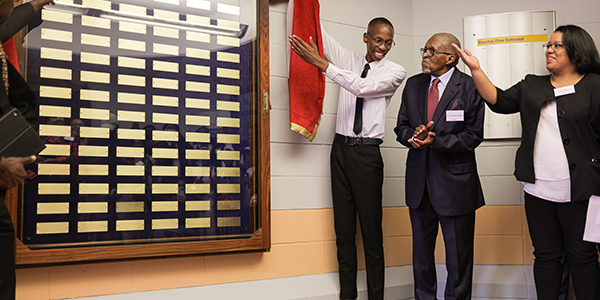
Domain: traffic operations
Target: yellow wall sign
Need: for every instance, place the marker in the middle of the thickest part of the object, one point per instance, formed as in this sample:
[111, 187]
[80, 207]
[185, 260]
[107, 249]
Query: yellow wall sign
[530, 38]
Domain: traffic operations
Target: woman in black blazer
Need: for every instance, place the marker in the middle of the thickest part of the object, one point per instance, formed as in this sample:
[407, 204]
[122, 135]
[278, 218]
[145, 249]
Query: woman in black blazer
[558, 160]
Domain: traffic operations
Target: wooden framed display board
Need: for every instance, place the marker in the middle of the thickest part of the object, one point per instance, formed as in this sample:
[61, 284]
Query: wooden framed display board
[155, 115]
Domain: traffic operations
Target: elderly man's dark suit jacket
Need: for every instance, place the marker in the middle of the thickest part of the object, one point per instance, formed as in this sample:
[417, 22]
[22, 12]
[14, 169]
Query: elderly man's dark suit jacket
[448, 165]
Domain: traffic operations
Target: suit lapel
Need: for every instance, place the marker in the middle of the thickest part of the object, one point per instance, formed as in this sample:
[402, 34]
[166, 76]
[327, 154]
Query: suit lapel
[449, 92]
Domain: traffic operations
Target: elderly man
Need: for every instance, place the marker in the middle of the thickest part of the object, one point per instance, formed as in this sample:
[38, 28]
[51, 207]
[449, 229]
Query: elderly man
[441, 122]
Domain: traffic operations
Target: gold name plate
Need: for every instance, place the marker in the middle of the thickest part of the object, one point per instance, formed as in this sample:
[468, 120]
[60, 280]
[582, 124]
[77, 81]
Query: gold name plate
[197, 188]
[228, 188]
[54, 169]
[93, 170]
[93, 188]
[92, 207]
[164, 188]
[126, 170]
[130, 207]
[53, 208]
[165, 224]
[52, 227]
[229, 222]
[131, 188]
[197, 205]
[130, 225]
[54, 189]
[228, 205]
[197, 154]
[158, 206]
[92, 226]
[197, 223]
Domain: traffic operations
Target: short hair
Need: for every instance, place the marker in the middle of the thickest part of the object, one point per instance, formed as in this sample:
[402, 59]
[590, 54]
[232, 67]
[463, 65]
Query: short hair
[450, 39]
[379, 20]
[581, 49]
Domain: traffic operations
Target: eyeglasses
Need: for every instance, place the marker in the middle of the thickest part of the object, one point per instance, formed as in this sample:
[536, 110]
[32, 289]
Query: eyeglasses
[378, 42]
[554, 47]
[431, 52]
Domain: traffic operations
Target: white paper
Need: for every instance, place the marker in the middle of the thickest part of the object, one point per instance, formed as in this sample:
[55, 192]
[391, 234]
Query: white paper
[592, 221]
[455, 115]
[565, 90]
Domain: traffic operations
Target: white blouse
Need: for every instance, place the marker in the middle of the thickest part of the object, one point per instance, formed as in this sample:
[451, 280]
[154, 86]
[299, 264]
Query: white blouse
[552, 178]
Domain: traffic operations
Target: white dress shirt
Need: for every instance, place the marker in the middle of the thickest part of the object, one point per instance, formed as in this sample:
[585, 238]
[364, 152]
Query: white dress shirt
[443, 82]
[377, 88]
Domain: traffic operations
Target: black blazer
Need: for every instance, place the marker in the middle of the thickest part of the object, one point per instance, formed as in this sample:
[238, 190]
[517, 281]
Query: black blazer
[20, 95]
[448, 166]
[578, 120]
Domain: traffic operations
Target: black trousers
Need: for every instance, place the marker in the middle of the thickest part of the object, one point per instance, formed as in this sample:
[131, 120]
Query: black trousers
[356, 184]
[459, 234]
[555, 228]
[7, 253]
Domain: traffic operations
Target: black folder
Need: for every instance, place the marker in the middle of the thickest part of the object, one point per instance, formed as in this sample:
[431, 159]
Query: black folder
[17, 138]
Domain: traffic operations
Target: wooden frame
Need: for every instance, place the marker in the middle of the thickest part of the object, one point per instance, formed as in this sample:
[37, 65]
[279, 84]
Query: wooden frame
[259, 241]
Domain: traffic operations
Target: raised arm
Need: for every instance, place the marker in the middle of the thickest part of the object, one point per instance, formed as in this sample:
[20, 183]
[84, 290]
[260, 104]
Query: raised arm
[20, 17]
[308, 53]
[485, 87]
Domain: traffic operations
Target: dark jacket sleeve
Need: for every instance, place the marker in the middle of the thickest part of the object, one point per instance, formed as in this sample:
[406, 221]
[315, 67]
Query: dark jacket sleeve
[20, 94]
[18, 18]
[508, 102]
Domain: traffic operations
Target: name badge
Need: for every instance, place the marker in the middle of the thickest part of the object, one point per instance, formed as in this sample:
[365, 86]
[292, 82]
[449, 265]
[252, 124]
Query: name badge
[455, 115]
[565, 90]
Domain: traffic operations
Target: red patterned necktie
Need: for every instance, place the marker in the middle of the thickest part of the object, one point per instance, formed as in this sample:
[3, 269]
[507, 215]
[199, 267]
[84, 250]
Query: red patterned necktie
[432, 99]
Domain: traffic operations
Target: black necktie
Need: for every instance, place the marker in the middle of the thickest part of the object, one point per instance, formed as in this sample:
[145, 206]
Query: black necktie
[358, 122]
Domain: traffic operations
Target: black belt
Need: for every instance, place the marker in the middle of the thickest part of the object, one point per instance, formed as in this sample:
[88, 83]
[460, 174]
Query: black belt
[348, 140]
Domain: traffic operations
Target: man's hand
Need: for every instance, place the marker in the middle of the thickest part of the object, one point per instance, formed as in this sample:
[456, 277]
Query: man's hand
[38, 4]
[422, 130]
[12, 170]
[423, 143]
[308, 53]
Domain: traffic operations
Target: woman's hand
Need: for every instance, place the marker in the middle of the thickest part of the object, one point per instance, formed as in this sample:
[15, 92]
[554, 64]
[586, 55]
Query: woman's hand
[468, 58]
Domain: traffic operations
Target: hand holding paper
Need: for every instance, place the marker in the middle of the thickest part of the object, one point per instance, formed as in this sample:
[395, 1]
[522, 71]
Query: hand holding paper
[12, 170]
[592, 222]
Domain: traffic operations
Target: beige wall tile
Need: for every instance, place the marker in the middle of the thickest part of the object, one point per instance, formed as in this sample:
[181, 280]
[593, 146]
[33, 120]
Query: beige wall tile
[237, 267]
[440, 249]
[360, 254]
[397, 251]
[396, 222]
[329, 227]
[331, 263]
[33, 284]
[393, 191]
[168, 273]
[90, 279]
[499, 220]
[296, 226]
[498, 250]
[283, 260]
[296, 260]
[527, 250]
